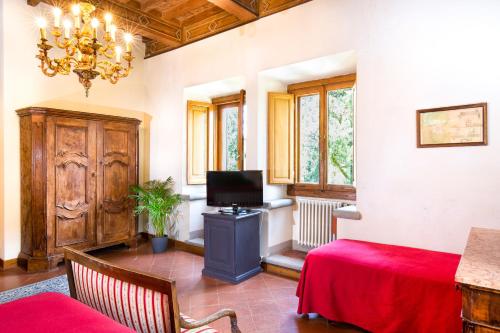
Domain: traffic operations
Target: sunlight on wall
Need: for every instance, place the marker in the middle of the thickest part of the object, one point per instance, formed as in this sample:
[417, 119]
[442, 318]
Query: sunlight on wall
[407, 196]
[27, 86]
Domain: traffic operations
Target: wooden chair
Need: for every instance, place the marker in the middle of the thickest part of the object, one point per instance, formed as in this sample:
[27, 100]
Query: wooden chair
[143, 302]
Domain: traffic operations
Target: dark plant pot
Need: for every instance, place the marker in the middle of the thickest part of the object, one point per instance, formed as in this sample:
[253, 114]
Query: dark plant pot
[159, 244]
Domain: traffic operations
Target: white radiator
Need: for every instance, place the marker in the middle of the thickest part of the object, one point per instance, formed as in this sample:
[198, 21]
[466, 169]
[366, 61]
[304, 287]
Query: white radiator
[315, 221]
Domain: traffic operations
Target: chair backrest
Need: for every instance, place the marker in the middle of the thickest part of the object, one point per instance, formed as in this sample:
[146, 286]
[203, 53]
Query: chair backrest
[143, 302]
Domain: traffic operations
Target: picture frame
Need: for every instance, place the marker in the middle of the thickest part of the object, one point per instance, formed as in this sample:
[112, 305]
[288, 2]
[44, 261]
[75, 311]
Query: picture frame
[453, 126]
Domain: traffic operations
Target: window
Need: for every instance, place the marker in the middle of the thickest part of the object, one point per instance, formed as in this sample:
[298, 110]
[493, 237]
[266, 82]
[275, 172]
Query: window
[309, 143]
[214, 136]
[324, 120]
[340, 106]
[230, 154]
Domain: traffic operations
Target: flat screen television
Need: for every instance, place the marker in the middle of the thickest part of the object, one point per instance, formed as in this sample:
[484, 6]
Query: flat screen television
[234, 188]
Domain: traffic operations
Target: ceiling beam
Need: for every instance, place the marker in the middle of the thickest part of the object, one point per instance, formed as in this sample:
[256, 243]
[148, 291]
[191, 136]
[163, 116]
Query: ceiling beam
[237, 8]
[176, 11]
[136, 20]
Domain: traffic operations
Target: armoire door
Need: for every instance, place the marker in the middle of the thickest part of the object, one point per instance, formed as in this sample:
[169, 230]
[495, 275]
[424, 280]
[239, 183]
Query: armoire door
[116, 150]
[71, 183]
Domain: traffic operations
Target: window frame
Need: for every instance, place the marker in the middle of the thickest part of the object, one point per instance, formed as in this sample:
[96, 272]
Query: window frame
[322, 189]
[221, 103]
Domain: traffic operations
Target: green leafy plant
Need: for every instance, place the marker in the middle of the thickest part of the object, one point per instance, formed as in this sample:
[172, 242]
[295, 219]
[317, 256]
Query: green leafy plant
[157, 198]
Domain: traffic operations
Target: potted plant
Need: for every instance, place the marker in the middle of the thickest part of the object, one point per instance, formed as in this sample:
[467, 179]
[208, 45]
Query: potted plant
[158, 199]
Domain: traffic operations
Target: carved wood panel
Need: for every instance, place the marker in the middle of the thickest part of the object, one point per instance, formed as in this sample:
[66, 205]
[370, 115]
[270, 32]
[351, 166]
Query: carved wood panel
[116, 150]
[61, 155]
[71, 168]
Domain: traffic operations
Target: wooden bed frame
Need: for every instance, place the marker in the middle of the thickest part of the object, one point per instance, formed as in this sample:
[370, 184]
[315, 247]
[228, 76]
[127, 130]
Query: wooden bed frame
[145, 280]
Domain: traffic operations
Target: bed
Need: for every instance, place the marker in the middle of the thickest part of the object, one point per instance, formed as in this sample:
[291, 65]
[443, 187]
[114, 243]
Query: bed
[381, 288]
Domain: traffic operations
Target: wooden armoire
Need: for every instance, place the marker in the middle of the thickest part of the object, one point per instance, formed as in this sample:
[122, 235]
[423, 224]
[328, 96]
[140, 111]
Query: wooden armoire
[76, 170]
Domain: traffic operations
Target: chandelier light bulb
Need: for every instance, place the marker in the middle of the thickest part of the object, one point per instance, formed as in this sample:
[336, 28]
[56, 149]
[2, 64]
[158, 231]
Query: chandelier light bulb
[107, 21]
[95, 24]
[128, 39]
[67, 28]
[112, 31]
[41, 22]
[118, 53]
[57, 16]
[75, 9]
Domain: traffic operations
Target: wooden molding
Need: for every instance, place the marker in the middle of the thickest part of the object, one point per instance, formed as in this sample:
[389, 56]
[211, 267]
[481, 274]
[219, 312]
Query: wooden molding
[167, 25]
[323, 82]
[268, 268]
[281, 271]
[339, 192]
[127, 16]
[7, 264]
[237, 8]
[210, 26]
[72, 114]
[269, 7]
[222, 22]
[178, 245]
[227, 99]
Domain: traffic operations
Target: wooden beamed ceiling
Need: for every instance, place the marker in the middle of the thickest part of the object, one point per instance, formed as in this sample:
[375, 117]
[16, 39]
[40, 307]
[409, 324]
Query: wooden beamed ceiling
[169, 24]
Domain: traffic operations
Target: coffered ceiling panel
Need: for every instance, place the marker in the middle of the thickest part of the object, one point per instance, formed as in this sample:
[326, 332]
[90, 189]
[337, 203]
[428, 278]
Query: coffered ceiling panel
[168, 24]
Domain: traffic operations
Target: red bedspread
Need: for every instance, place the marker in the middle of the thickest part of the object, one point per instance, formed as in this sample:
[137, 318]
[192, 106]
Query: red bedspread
[55, 313]
[382, 288]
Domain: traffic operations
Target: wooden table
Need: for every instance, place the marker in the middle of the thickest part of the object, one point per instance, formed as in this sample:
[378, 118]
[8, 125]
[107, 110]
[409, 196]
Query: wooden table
[478, 275]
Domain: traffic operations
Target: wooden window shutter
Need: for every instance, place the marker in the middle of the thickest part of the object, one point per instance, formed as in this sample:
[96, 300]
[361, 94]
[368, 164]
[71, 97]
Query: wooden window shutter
[281, 139]
[200, 141]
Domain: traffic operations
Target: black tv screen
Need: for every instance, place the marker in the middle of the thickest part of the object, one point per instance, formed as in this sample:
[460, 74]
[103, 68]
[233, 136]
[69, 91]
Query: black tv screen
[241, 188]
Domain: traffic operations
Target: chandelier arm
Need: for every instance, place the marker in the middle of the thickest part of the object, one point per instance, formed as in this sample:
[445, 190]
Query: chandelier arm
[62, 45]
[71, 50]
[107, 53]
[46, 68]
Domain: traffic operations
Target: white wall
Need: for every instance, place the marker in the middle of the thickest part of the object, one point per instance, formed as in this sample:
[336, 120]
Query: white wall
[410, 55]
[25, 85]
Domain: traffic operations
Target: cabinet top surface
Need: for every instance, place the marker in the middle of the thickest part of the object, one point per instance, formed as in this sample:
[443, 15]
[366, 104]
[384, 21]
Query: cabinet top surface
[480, 263]
[73, 114]
[232, 217]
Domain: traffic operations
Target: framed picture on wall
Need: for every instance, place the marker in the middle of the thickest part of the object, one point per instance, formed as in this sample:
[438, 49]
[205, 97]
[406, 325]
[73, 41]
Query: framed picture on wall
[462, 125]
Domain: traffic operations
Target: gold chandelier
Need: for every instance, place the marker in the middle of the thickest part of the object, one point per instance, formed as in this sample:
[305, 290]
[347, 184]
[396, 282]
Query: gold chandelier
[85, 55]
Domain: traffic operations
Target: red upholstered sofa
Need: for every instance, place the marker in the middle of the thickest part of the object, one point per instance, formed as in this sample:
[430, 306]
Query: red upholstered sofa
[382, 288]
[54, 312]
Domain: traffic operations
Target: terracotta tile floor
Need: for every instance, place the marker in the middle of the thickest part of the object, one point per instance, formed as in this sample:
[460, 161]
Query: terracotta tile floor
[264, 303]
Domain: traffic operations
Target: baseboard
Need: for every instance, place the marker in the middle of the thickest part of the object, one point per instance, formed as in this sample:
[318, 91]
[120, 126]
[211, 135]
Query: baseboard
[281, 271]
[6, 264]
[178, 245]
[268, 268]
